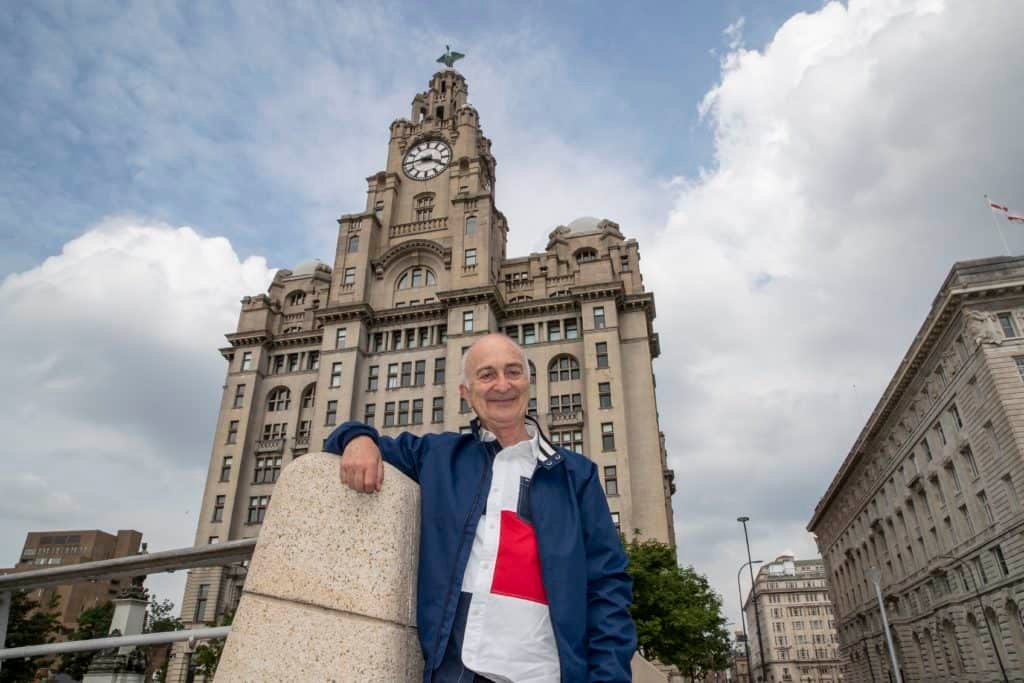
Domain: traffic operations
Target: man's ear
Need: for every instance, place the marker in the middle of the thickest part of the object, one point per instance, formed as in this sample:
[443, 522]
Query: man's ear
[464, 392]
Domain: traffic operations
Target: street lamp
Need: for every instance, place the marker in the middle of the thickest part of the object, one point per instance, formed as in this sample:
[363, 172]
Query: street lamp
[875, 576]
[753, 596]
[981, 605]
[743, 617]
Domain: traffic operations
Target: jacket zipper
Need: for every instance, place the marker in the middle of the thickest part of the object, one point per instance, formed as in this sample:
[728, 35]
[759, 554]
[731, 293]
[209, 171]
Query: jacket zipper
[462, 542]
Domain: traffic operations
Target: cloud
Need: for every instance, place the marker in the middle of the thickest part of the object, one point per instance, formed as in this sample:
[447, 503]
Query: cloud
[851, 155]
[111, 392]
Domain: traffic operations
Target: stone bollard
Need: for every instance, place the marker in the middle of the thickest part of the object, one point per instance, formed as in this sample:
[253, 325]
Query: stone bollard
[331, 590]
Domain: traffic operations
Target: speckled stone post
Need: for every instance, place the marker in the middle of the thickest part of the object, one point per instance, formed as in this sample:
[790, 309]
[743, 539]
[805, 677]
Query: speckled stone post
[331, 592]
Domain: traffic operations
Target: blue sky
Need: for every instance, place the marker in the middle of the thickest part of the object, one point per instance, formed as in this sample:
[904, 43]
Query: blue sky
[800, 177]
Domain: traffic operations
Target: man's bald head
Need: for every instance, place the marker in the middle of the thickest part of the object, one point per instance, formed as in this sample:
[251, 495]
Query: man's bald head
[487, 340]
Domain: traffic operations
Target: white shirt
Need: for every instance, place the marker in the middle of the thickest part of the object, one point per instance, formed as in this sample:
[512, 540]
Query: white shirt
[509, 637]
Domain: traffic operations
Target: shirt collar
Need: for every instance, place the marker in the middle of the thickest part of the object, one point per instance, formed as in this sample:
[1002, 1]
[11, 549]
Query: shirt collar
[539, 444]
[487, 436]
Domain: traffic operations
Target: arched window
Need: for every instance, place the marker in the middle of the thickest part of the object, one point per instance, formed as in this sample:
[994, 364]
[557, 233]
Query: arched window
[353, 244]
[471, 225]
[586, 254]
[309, 396]
[279, 399]
[417, 276]
[296, 298]
[563, 368]
[533, 372]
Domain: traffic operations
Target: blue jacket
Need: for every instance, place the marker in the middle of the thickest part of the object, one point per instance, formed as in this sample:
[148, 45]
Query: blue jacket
[583, 564]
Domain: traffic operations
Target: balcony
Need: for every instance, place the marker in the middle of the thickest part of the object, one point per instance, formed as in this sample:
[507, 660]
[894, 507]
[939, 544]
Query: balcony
[565, 418]
[301, 442]
[417, 227]
[270, 445]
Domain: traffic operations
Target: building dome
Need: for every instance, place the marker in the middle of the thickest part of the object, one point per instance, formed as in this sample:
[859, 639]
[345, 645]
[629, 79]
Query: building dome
[309, 267]
[584, 224]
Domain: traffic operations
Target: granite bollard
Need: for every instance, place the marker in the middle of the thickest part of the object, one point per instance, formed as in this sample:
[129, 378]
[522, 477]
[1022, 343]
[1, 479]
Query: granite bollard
[331, 590]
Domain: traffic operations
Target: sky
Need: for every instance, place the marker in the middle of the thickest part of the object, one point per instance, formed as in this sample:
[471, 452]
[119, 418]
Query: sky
[800, 177]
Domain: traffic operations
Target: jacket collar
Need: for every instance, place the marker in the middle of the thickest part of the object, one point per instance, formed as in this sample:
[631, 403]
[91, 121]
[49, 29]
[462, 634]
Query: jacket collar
[549, 455]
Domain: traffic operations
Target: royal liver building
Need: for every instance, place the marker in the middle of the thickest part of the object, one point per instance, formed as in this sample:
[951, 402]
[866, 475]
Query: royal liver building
[418, 274]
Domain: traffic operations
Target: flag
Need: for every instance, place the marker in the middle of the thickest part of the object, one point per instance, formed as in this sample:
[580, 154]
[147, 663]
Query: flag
[1016, 219]
[998, 207]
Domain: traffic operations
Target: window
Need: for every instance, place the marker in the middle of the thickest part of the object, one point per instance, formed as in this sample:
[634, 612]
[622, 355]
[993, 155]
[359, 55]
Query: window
[927, 449]
[997, 554]
[267, 469]
[602, 354]
[954, 478]
[604, 394]
[611, 481]
[239, 396]
[350, 276]
[378, 210]
[572, 330]
[512, 331]
[1011, 493]
[470, 260]
[439, 370]
[353, 244]
[213, 540]
[972, 464]
[437, 410]
[370, 413]
[419, 377]
[233, 432]
[332, 413]
[940, 431]
[304, 429]
[225, 468]
[378, 342]
[417, 411]
[554, 330]
[599, 318]
[463, 406]
[467, 321]
[293, 362]
[313, 360]
[563, 369]
[417, 277]
[405, 378]
[218, 509]
[309, 396]
[246, 361]
[471, 225]
[615, 521]
[274, 431]
[983, 502]
[531, 407]
[529, 333]
[968, 522]
[279, 399]
[1006, 323]
[979, 566]
[586, 254]
[572, 440]
[202, 596]
[955, 414]
[424, 205]
[341, 336]
[566, 403]
[373, 378]
[257, 509]
[392, 375]
[389, 414]
[607, 436]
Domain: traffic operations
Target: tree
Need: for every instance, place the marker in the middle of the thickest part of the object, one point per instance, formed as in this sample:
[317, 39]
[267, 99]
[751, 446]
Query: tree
[207, 656]
[92, 623]
[28, 624]
[678, 616]
[160, 620]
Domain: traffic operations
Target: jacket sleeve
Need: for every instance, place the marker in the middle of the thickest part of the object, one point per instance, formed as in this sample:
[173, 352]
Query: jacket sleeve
[611, 634]
[404, 453]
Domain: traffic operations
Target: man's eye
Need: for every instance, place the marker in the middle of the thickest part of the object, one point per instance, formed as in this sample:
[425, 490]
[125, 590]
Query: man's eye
[514, 373]
[486, 376]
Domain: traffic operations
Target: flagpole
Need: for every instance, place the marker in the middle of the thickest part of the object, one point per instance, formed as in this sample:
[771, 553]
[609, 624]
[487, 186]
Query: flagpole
[988, 205]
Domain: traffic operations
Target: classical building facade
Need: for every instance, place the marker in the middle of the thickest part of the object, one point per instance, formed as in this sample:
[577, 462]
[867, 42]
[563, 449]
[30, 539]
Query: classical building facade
[797, 625]
[58, 548]
[418, 275]
[930, 495]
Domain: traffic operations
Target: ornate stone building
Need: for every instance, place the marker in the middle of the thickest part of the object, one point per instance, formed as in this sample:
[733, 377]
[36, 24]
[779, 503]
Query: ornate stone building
[930, 494]
[797, 624]
[418, 275]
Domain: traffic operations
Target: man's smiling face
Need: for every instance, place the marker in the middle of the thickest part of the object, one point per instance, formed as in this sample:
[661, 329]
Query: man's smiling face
[497, 383]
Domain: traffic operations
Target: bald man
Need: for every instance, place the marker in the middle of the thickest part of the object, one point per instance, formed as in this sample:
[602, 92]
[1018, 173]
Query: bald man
[522, 575]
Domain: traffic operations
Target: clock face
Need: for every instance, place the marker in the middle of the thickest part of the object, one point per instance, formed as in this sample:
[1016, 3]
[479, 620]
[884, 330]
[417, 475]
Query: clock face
[426, 159]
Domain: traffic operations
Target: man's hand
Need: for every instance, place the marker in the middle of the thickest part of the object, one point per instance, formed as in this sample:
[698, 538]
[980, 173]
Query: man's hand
[362, 468]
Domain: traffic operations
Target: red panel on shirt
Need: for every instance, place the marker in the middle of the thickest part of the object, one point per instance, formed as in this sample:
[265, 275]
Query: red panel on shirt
[517, 569]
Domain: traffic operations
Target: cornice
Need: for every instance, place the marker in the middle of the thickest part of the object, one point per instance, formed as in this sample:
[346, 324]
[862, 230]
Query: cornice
[344, 313]
[248, 338]
[303, 338]
[484, 293]
[431, 311]
[524, 309]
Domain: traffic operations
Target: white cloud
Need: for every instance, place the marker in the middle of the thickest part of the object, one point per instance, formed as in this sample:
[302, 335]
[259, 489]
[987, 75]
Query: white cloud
[111, 394]
[852, 153]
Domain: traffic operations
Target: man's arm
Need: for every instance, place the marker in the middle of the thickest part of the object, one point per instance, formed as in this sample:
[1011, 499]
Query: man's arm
[611, 634]
[361, 448]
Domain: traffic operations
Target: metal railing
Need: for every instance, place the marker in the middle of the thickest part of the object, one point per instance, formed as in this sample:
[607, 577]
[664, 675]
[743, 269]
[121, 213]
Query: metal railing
[217, 555]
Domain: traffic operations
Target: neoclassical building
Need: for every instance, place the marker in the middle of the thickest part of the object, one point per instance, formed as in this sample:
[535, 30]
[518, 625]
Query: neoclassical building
[797, 626]
[930, 495]
[418, 275]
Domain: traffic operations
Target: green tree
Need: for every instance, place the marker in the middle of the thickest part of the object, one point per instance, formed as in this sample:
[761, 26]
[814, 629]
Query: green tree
[207, 656]
[28, 624]
[160, 620]
[92, 623]
[678, 616]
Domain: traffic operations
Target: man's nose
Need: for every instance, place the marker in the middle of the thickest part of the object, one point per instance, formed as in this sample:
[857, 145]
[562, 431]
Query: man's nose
[502, 384]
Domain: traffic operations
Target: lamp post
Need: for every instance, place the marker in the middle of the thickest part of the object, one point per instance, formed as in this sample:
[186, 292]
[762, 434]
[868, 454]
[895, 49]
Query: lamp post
[981, 606]
[875, 576]
[753, 596]
[743, 616]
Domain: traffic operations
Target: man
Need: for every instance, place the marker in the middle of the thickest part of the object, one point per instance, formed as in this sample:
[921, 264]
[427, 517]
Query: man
[522, 576]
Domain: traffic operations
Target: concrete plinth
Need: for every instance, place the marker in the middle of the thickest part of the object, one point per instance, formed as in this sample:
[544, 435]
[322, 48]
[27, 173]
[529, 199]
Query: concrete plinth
[331, 590]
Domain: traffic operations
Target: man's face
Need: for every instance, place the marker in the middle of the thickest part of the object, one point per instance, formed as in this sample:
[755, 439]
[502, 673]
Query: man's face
[499, 385]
